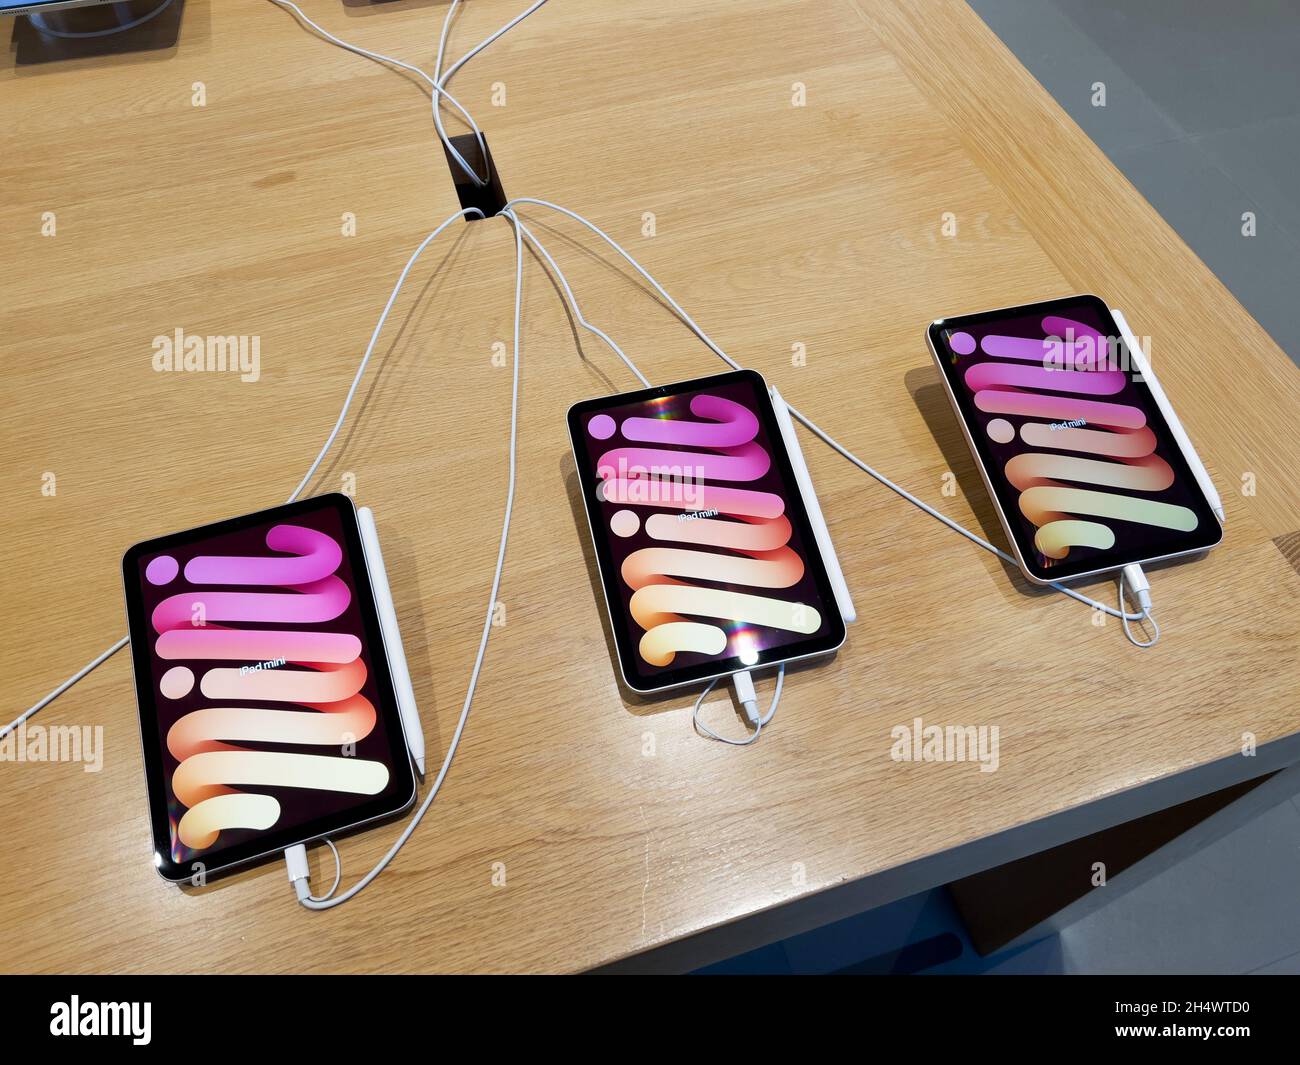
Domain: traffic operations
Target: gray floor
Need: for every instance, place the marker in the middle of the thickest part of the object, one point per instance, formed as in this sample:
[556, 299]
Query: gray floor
[1232, 907]
[1202, 114]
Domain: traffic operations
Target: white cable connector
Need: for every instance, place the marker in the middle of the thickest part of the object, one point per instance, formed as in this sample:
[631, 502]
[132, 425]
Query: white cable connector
[748, 698]
[1134, 580]
[744, 687]
[1139, 587]
[295, 860]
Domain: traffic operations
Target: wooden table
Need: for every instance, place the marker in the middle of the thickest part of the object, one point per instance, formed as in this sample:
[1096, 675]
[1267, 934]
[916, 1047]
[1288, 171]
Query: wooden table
[616, 827]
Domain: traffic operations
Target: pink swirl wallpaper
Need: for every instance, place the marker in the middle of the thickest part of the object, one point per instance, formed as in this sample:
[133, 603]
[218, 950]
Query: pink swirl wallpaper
[695, 517]
[1073, 434]
[263, 689]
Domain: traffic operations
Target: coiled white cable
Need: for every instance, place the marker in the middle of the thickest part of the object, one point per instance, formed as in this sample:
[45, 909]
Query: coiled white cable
[1138, 592]
[704, 729]
[338, 871]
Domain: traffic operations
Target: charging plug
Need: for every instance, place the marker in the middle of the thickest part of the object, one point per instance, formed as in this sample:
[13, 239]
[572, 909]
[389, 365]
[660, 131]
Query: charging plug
[1138, 586]
[745, 694]
[295, 860]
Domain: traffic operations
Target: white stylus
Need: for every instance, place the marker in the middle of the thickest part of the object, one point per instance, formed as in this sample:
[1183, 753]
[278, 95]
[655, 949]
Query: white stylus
[1199, 471]
[820, 532]
[392, 637]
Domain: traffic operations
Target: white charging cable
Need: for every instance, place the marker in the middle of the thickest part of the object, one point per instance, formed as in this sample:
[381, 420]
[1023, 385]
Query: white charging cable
[40, 704]
[296, 856]
[436, 85]
[320, 457]
[743, 681]
[442, 78]
[573, 300]
[690, 323]
[436, 89]
[435, 106]
[1139, 589]
[438, 80]
[446, 75]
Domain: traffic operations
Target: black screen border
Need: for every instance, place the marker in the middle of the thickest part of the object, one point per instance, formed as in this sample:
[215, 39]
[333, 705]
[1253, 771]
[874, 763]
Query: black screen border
[629, 660]
[272, 842]
[1207, 534]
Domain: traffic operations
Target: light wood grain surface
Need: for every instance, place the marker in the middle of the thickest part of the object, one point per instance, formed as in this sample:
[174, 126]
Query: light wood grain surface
[617, 827]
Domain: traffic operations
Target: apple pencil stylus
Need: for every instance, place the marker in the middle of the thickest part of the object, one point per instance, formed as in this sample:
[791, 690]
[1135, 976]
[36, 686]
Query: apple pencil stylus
[392, 637]
[1199, 471]
[820, 532]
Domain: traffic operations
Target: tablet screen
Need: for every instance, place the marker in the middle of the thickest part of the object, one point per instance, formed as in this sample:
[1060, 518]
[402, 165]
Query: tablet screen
[706, 555]
[266, 706]
[1080, 457]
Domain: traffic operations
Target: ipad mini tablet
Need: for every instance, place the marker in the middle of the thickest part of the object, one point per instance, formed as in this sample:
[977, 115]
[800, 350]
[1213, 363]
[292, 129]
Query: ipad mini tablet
[267, 711]
[1072, 445]
[706, 555]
